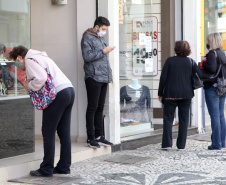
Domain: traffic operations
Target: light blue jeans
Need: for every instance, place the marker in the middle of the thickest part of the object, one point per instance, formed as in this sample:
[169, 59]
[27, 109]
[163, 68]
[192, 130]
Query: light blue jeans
[215, 105]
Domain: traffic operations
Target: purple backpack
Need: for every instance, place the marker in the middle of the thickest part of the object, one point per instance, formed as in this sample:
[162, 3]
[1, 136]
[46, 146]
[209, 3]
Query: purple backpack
[42, 98]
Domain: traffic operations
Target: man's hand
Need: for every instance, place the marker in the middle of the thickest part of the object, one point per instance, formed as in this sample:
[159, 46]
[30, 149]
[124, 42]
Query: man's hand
[108, 49]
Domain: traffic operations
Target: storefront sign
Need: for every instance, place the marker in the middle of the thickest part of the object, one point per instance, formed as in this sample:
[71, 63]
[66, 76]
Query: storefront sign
[145, 46]
[120, 11]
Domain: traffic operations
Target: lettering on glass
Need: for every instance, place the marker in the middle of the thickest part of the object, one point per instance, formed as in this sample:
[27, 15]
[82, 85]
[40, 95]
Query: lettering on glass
[120, 11]
[145, 46]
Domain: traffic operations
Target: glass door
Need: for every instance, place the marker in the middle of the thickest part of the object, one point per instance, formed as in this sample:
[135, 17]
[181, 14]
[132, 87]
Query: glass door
[138, 58]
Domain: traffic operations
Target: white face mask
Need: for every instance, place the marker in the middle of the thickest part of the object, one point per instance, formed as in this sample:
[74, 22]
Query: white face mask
[101, 33]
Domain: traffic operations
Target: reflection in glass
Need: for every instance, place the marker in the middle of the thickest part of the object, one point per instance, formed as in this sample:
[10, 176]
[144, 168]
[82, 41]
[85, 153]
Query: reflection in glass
[14, 31]
[138, 65]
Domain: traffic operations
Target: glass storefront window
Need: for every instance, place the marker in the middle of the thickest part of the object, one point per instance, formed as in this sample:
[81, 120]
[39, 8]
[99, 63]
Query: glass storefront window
[138, 58]
[214, 21]
[215, 18]
[14, 31]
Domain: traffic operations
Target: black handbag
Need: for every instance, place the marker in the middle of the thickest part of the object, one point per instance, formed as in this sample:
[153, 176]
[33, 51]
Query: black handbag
[196, 82]
[210, 77]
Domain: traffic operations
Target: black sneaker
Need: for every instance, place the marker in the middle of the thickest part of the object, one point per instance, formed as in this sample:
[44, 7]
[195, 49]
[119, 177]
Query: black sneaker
[102, 141]
[210, 148]
[56, 171]
[92, 143]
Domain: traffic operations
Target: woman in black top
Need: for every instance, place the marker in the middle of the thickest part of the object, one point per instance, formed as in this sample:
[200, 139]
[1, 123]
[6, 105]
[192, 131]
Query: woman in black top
[175, 88]
[215, 103]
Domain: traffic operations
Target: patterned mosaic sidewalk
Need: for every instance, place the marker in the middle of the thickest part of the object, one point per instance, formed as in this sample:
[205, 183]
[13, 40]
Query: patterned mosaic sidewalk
[151, 166]
[194, 165]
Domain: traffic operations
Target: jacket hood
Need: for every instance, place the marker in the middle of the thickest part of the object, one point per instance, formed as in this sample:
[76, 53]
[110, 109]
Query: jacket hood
[91, 32]
[32, 53]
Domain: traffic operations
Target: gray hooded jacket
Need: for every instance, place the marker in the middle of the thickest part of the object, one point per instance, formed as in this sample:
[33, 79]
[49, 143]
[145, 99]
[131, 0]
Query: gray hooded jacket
[96, 62]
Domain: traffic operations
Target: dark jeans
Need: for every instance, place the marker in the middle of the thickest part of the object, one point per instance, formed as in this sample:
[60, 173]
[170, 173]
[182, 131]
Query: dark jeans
[96, 94]
[57, 117]
[183, 113]
[215, 105]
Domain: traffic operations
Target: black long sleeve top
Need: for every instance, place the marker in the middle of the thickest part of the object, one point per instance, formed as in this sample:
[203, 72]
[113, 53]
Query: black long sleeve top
[210, 66]
[176, 78]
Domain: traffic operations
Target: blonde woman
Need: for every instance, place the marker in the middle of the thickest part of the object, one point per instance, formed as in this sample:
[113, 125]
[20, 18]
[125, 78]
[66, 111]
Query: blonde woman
[215, 103]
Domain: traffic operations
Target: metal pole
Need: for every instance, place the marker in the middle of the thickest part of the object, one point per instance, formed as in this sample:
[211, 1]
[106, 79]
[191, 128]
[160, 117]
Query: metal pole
[96, 8]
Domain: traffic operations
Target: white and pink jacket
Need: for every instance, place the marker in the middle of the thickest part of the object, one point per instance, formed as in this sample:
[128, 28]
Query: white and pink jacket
[37, 75]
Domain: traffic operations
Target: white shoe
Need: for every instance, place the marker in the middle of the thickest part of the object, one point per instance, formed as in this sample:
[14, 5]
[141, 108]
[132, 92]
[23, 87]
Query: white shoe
[180, 149]
[166, 148]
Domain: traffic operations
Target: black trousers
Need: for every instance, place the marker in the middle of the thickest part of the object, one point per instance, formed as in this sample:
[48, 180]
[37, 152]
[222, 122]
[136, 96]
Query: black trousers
[183, 113]
[96, 94]
[57, 117]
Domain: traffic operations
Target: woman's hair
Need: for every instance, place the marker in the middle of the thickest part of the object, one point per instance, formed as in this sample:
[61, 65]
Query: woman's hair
[19, 50]
[214, 40]
[182, 48]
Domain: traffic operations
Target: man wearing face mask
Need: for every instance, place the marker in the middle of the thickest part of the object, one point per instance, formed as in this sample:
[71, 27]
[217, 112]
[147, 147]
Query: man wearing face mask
[97, 76]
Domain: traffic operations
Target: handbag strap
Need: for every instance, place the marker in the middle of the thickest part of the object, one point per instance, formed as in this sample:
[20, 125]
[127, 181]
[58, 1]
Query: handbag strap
[219, 67]
[215, 53]
[37, 63]
[45, 68]
[192, 64]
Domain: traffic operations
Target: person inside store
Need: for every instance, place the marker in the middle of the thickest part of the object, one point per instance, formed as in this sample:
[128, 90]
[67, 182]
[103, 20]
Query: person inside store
[57, 116]
[5, 51]
[7, 79]
[175, 90]
[215, 103]
[8, 71]
[97, 76]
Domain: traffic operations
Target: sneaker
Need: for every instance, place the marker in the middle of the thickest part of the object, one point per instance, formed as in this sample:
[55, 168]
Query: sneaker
[37, 173]
[180, 149]
[56, 171]
[92, 144]
[210, 148]
[102, 141]
[166, 148]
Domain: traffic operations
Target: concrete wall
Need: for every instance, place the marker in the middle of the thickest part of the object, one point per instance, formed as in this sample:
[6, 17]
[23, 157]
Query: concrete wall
[86, 15]
[58, 31]
[168, 36]
[112, 109]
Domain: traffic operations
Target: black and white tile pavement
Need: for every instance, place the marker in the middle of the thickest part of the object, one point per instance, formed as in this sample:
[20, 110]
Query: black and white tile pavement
[151, 166]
